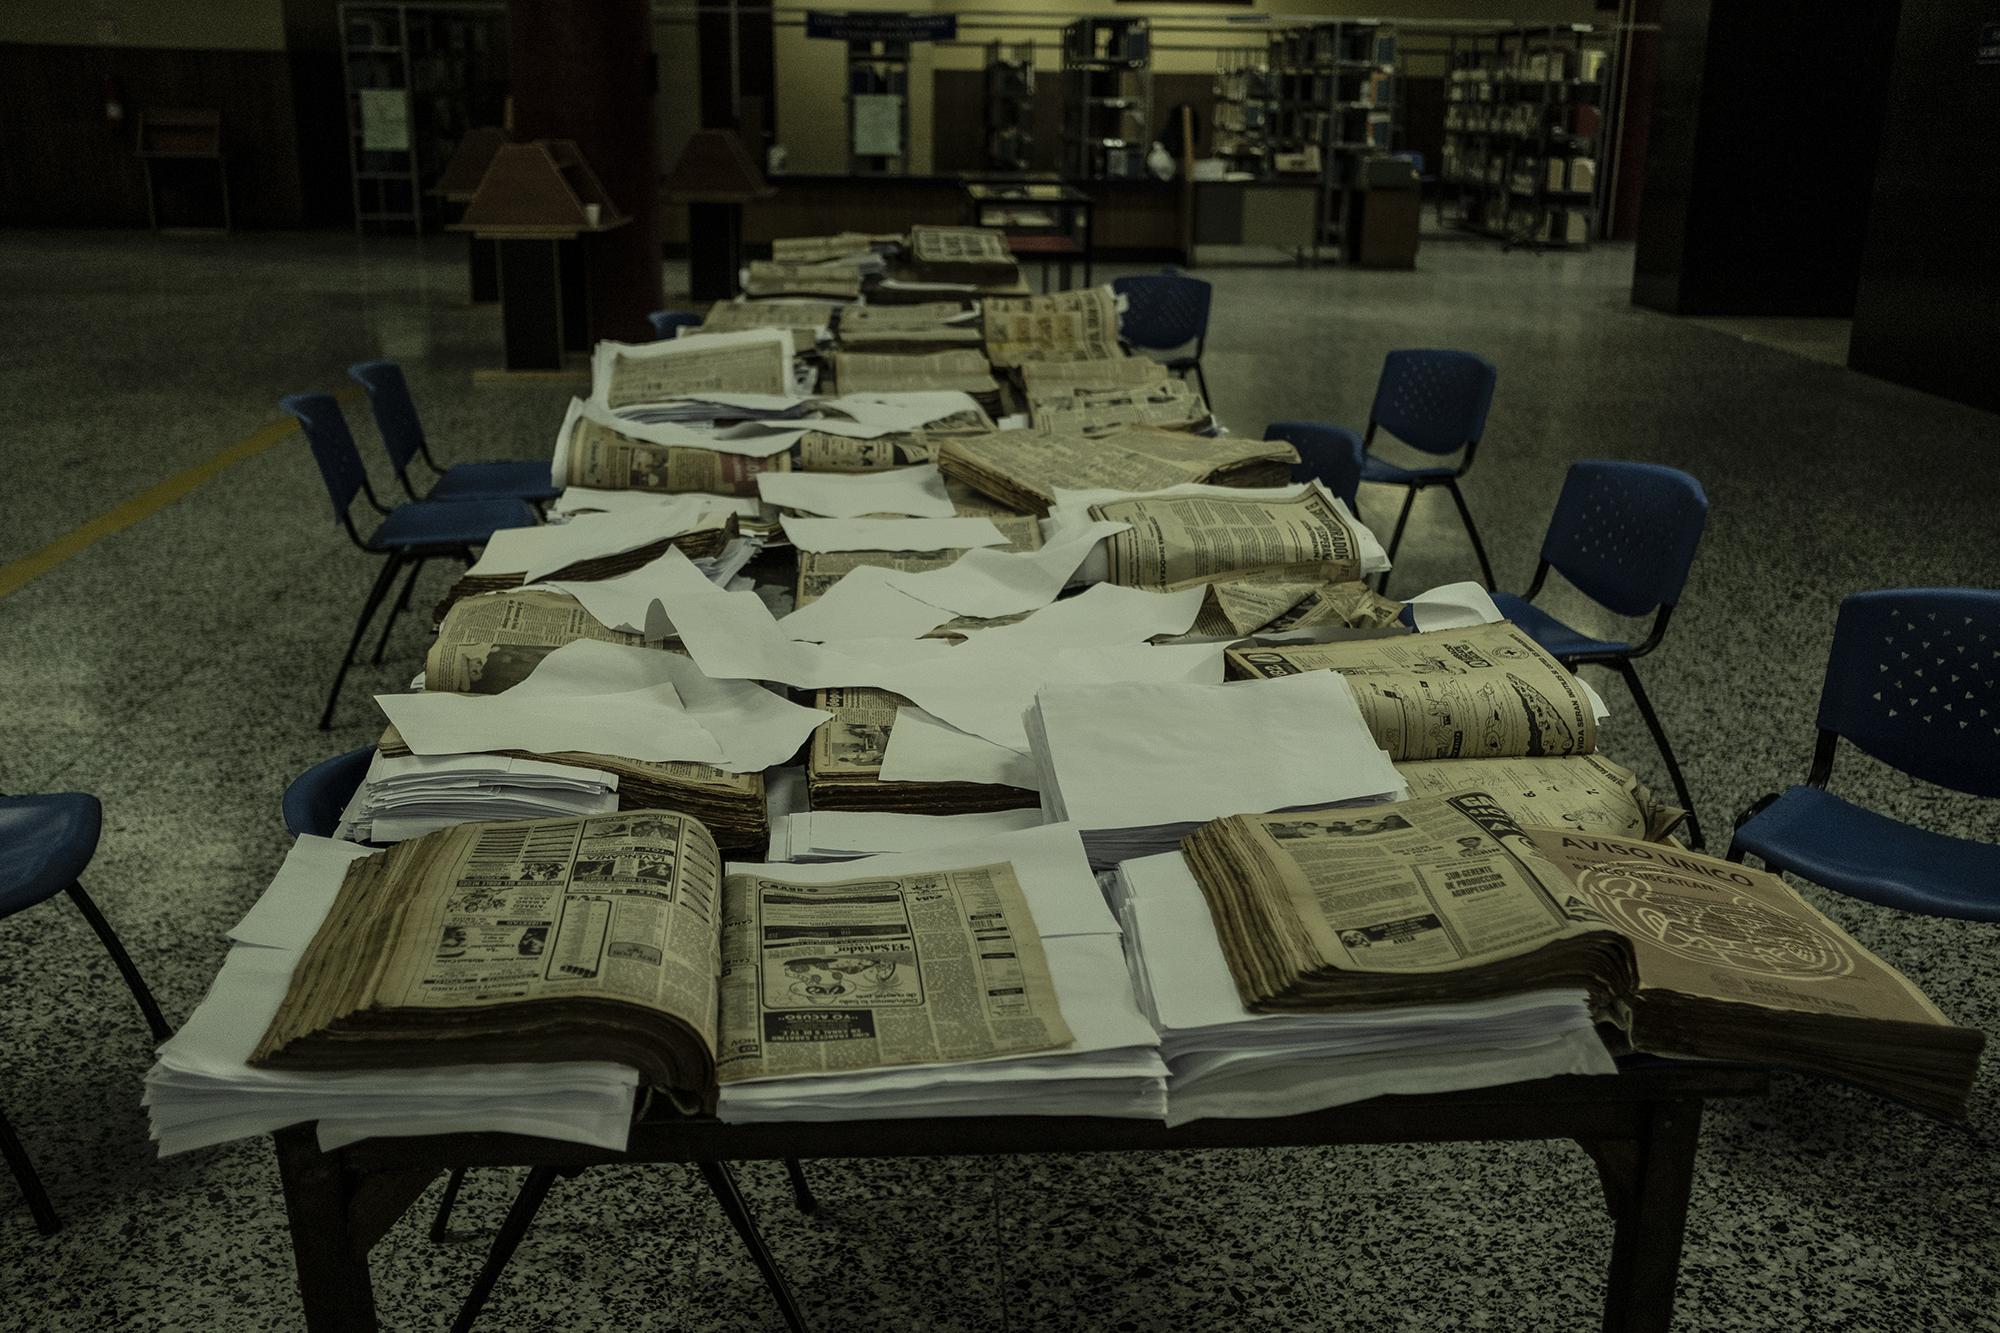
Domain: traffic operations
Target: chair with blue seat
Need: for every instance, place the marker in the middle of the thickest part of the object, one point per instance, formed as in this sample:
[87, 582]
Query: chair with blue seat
[1331, 455]
[1913, 679]
[1165, 312]
[46, 842]
[408, 535]
[1624, 534]
[667, 324]
[1434, 400]
[403, 436]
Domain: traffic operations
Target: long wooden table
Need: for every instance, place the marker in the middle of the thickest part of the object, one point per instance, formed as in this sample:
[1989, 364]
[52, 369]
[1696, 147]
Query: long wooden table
[1640, 1127]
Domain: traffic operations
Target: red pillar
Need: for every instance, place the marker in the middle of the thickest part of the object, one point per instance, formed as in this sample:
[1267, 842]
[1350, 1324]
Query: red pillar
[583, 70]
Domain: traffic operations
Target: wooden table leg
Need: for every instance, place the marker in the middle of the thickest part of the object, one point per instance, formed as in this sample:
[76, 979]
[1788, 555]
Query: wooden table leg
[1646, 1186]
[334, 1282]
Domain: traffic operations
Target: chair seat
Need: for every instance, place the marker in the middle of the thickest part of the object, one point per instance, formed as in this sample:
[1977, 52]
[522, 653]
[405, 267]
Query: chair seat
[1561, 642]
[1381, 470]
[46, 843]
[1835, 843]
[449, 523]
[475, 481]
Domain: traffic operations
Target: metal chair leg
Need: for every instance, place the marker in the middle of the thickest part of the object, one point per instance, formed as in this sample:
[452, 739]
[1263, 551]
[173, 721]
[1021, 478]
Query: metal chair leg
[519, 1217]
[39, 1206]
[1631, 675]
[443, 1218]
[402, 604]
[722, 1185]
[1202, 379]
[375, 595]
[136, 983]
[1396, 538]
[1472, 531]
[802, 1193]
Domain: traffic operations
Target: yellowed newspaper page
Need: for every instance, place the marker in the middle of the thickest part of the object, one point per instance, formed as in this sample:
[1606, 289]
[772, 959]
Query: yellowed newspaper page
[805, 319]
[1079, 325]
[606, 458]
[1177, 541]
[821, 452]
[1484, 692]
[831, 280]
[964, 370]
[1125, 372]
[1169, 405]
[678, 369]
[875, 972]
[495, 640]
[1583, 793]
[818, 249]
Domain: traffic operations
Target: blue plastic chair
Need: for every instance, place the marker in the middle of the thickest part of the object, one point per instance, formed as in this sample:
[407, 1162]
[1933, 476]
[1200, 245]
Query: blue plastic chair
[409, 535]
[403, 436]
[46, 842]
[1625, 535]
[1330, 455]
[1164, 312]
[668, 324]
[317, 796]
[1913, 680]
[1435, 400]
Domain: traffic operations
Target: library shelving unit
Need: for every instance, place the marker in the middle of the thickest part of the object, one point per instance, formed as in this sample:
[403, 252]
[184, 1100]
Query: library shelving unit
[1107, 87]
[1525, 119]
[418, 76]
[878, 105]
[1245, 105]
[1010, 105]
[1335, 107]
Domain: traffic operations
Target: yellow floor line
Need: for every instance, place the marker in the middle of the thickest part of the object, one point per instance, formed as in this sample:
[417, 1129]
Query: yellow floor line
[20, 573]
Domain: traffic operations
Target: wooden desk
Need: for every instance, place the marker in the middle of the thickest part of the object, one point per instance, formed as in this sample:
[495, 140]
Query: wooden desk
[1640, 1127]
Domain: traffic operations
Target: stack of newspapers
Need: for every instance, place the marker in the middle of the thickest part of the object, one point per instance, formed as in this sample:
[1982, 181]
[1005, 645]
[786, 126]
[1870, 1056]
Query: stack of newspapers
[202, 1090]
[1025, 469]
[1226, 1060]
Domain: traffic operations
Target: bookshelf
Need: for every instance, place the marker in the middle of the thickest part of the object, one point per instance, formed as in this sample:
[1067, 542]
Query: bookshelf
[1010, 105]
[1107, 87]
[1525, 124]
[1334, 106]
[1245, 106]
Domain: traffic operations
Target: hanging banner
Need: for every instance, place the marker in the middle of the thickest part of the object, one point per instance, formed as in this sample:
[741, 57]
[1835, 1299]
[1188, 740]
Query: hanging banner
[867, 27]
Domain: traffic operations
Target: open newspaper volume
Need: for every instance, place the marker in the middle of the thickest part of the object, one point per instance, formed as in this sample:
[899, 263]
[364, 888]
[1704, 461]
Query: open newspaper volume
[1450, 898]
[1024, 469]
[621, 938]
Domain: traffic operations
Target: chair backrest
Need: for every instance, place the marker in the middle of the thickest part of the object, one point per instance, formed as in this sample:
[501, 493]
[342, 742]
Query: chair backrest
[1413, 157]
[1328, 454]
[317, 796]
[1625, 533]
[395, 413]
[1914, 680]
[668, 323]
[332, 447]
[1163, 310]
[1434, 398]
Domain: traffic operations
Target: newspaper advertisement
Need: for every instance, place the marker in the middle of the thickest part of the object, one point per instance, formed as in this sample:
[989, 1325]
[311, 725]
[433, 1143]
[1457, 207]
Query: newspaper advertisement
[1080, 325]
[494, 641]
[1177, 541]
[1245, 606]
[1581, 793]
[656, 372]
[853, 741]
[608, 459]
[963, 370]
[1169, 405]
[819, 249]
[807, 320]
[1040, 378]
[771, 277]
[1483, 692]
[615, 907]
[1420, 886]
[820, 452]
[867, 973]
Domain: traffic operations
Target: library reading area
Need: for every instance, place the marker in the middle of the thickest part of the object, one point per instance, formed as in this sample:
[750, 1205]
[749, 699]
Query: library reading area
[999, 665]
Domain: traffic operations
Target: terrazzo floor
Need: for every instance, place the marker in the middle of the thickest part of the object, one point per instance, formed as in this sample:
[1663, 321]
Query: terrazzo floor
[176, 667]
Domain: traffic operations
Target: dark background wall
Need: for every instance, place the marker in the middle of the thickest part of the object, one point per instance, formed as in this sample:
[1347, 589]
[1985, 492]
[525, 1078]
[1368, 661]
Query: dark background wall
[1761, 148]
[1928, 312]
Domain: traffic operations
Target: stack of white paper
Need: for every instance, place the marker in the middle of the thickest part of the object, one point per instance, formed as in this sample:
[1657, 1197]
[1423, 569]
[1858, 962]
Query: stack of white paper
[201, 1091]
[1140, 766]
[411, 795]
[1226, 1061]
[1113, 1066]
[842, 835]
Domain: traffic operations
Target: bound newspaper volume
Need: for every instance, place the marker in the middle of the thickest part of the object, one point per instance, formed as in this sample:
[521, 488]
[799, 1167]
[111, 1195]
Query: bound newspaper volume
[1449, 898]
[619, 938]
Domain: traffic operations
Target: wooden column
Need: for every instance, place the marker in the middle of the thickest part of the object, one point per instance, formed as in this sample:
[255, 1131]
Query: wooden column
[584, 70]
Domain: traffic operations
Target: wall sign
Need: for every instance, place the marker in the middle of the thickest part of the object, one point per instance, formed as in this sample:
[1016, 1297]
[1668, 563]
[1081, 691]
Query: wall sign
[868, 27]
[1989, 44]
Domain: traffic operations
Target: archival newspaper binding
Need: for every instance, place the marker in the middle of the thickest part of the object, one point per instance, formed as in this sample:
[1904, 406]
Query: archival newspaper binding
[617, 937]
[1449, 898]
[1024, 469]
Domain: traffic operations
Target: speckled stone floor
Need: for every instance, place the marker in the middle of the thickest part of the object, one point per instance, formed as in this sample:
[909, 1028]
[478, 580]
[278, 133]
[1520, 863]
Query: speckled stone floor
[176, 669]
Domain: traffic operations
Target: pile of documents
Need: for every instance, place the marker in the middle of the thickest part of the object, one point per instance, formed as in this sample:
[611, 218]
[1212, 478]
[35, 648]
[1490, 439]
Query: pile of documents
[409, 795]
[1077, 410]
[809, 322]
[603, 451]
[1139, 766]
[976, 255]
[837, 959]
[591, 547]
[926, 327]
[1077, 325]
[202, 1090]
[1226, 1060]
[1025, 469]
[832, 280]
[844, 765]
[963, 370]
[835, 835]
